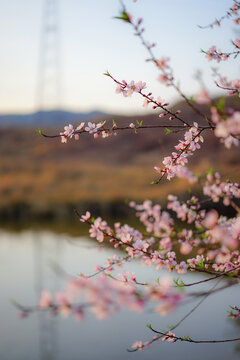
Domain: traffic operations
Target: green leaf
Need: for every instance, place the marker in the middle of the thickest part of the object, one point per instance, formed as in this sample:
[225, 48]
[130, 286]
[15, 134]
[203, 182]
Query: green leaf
[106, 73]
[187, 338]
[153, 182]
[39, 131]
[221, 104]
[168, 131]
[139, 123]
[178, 282]
[92, 219]
[191, 100]
[210, 171]
[114, 122]
[200, 265]
[124, 16]
[198, 176]
[149, 326]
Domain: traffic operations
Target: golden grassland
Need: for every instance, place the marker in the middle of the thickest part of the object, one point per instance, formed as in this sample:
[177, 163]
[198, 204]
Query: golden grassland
[44, 170]
[45, 174]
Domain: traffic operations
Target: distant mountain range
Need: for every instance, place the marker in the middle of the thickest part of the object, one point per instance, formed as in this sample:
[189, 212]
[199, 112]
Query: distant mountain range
[50, 118]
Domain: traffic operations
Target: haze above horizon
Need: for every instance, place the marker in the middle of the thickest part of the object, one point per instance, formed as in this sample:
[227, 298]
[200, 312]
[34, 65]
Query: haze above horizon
[93, 42]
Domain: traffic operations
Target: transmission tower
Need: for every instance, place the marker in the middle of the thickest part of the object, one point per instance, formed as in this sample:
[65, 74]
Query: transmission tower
[48, 95]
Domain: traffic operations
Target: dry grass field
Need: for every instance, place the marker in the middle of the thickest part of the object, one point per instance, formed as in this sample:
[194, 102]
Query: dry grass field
[43, 175]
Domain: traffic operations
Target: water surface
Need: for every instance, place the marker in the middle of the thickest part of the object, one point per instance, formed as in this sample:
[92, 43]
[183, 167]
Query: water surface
[26, 260]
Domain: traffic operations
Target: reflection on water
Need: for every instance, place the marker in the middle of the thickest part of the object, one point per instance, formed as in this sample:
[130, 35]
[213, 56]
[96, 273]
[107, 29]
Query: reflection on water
[26, 261]
[44, 278]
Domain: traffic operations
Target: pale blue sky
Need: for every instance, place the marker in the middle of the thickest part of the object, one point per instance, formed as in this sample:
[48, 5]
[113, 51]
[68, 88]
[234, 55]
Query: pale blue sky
[92, 42]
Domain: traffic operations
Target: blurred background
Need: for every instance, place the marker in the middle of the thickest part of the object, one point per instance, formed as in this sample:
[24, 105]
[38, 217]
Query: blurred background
[53, 56]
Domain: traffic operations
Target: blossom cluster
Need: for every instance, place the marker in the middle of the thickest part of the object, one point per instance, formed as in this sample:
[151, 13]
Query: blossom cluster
[187, 211]
[216, 189]
[127, 89]
[227, 126]
[214, 238]
[216, 54]
[107, 293]
[104, 297]
[219, 235]
[233, 87]
[166, 76]
[175, 163]
[169, 337]
[94, 129]
[91, 128]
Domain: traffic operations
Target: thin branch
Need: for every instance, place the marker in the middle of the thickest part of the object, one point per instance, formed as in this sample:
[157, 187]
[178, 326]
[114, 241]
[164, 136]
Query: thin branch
[232, 203]
[211, 278]
[78, 132]
[217, 22]
[183, 318]
[178, 156]
[187, 339]
[152, 101]
[154, 59]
